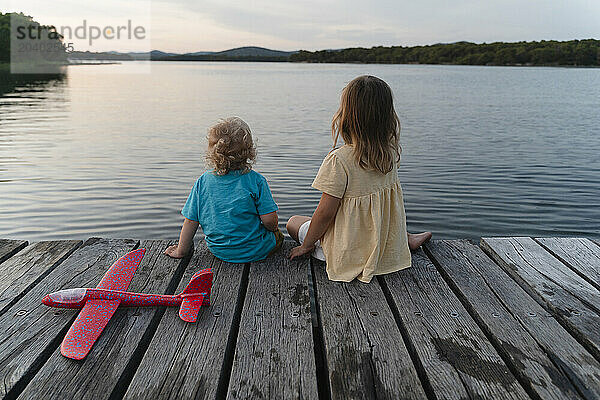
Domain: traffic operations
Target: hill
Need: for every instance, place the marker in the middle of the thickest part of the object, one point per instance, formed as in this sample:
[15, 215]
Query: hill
[248, 53]
[253, 51]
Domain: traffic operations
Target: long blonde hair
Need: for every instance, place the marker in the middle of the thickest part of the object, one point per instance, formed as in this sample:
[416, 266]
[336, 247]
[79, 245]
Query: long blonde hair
[367, 120]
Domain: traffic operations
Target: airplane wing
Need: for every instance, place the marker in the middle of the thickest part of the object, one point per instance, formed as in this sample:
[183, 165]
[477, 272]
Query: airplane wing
[95, 314]
[120, 273]
[88, 326]
[190, 307]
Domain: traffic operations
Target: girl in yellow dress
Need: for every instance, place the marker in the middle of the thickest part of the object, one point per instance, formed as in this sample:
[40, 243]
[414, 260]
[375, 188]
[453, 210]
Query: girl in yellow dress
[359, 226]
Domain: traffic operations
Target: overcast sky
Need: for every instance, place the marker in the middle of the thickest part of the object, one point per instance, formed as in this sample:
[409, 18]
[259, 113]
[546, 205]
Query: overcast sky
[195, 25]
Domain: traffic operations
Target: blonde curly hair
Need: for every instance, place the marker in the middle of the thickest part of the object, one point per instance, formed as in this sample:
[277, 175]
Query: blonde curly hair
[230, 146]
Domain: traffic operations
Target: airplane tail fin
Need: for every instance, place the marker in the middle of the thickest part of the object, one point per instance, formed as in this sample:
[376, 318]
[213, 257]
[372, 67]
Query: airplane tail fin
[196, 294]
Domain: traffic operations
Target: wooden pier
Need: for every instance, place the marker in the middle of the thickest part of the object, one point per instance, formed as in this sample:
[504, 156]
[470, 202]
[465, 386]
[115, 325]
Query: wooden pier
[507, 318]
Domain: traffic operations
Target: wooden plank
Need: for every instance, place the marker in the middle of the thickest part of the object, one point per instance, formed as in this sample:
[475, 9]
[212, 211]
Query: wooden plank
[546, 358]
[24, 270]
[580, 254]
[10, 247]
[193, 356]
[111, 363]
[453, 352]
[571, 299]
[274, 356]
[30, 332]
[365, 353]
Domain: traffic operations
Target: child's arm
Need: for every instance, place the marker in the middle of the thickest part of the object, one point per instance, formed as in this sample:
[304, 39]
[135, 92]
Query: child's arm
[188, 230]
[270, 221]
[265, 205]
[321, 219]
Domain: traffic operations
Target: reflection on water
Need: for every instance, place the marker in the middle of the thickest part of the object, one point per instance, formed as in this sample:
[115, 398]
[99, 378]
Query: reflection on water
[32, 82]
[486, 151]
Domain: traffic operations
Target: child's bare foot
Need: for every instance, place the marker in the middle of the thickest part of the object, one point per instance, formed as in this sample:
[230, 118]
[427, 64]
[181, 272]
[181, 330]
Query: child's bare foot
[416, 240]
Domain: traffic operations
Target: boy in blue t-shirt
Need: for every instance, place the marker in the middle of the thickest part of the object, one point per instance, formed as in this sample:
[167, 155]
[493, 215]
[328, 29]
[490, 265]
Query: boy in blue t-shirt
[232, 203]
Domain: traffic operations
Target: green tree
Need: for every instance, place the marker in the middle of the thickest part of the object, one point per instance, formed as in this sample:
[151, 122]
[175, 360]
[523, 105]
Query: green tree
[49, 42]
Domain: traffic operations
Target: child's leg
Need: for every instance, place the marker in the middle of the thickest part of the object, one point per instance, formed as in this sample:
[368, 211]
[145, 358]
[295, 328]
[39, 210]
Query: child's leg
[294, 224]
[278, 242]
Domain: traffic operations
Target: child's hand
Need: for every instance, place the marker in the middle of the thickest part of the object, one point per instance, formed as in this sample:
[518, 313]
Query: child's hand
[300, 251]
[174, 252]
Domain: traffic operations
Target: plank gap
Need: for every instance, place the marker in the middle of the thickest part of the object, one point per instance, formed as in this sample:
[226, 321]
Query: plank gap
[521, 378]
[13, 251]
[44, 274]
[322, 371]
[136, 358]
[547, 306]
[429, 392]
[30, 340]
[42, 357]
[569, 265]
[191, 364]
[579, 386]
[275, 332]
[224, 377]
[39, 362]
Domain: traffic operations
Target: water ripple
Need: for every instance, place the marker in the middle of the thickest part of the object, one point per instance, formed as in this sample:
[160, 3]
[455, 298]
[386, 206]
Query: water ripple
[486, 151]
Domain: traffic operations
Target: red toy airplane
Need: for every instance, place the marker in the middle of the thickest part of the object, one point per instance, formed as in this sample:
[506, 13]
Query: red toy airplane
[99, 304]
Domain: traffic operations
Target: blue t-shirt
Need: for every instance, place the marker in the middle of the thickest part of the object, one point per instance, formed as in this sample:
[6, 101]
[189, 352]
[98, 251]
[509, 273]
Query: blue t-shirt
[228, 208]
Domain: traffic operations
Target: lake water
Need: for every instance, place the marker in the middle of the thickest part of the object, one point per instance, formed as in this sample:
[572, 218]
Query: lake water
[106, 151]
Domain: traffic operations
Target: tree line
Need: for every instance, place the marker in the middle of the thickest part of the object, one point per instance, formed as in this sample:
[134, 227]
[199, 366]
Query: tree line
[46, 45]
[546, 52]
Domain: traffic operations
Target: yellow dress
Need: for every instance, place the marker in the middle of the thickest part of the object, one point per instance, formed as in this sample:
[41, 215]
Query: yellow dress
[368, 236]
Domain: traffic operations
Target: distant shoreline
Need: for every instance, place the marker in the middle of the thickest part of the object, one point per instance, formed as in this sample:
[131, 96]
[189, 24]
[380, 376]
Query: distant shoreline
[5, 67]
[573, 53]
[90, 62]
[376, 63]
[565, 54]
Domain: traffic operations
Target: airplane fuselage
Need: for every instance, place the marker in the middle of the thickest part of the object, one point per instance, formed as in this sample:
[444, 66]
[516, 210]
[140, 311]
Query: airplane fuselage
[76, 298]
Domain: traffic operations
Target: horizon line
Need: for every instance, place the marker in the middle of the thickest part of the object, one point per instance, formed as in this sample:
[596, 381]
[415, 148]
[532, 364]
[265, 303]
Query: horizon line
[330, 49]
